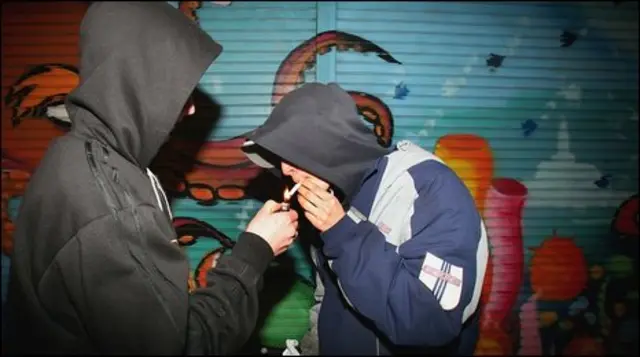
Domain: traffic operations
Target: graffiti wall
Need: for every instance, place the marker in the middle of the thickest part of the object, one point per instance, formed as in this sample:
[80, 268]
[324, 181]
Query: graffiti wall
[534, 105]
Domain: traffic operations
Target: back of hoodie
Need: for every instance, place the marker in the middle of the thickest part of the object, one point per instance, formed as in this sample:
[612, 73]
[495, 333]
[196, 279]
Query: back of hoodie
[95, 268]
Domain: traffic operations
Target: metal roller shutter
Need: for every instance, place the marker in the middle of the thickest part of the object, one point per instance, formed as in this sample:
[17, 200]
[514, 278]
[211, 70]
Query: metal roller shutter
[256, 37]
[534, 105]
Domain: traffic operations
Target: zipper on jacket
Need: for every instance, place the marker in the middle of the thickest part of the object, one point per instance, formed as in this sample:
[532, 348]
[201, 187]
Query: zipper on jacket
[91, 158]
[88, 147]
[161, 298]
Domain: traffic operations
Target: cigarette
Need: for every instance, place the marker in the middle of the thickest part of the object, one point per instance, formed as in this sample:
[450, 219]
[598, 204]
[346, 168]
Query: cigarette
[293, 190]
[287, 196]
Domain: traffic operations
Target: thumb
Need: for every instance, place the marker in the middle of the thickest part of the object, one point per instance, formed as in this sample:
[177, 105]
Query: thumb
[272, 206]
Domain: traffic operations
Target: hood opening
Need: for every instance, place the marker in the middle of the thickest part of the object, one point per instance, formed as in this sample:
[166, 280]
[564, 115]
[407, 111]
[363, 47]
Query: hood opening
[317, 128]
[139, 63]
[266, 159]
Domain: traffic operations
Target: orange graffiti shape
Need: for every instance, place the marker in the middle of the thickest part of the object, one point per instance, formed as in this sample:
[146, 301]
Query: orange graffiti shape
[376, 112]
[471, 158]
[290, 74]
[208, 262]
[219, 171]
[189, 231]
[189, 9]
[493, 342]
[558, 269]
[37, 116]
[36, 101]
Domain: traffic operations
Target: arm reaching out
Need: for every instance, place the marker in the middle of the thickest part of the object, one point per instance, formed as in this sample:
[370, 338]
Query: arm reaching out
[129, 284]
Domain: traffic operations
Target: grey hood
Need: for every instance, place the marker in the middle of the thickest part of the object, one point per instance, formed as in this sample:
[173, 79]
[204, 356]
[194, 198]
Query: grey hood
[136, 75]
[317, 128]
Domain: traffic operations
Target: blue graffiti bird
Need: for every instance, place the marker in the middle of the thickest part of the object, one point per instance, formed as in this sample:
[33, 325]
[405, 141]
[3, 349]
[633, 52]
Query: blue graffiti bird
[603, 182]
[401, 91]
[567, 38]
[494, 61]
[528, 127]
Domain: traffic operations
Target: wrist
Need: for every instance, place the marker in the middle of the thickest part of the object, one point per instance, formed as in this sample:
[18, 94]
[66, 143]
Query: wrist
[339, 217]
[253, 250]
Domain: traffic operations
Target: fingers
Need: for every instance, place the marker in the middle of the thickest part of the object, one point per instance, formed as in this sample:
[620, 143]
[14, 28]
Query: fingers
[292, 229]
[310, 189]
[292, 235]
[288, 219]
[272, 206]
[315, 221]
[317, 182]
[284, 248]
[316, 200]
[318, 210]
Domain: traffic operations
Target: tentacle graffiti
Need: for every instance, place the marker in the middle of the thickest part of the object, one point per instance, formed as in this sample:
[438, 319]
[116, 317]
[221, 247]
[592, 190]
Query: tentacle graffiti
[290, 74]
[189, 231]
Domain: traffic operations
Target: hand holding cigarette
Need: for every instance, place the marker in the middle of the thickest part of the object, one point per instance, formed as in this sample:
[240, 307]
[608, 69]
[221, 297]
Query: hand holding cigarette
[321, 207]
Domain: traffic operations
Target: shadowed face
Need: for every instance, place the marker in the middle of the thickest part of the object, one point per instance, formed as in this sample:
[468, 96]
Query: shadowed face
[188, 109]
[296, 174]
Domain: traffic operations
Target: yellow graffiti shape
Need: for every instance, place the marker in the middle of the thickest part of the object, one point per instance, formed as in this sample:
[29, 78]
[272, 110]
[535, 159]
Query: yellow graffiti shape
[548, 318]
[471, 158]
[566, 325]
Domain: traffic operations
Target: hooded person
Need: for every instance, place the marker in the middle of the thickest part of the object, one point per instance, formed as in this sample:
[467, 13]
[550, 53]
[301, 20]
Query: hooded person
[402, 250]
[96, 267]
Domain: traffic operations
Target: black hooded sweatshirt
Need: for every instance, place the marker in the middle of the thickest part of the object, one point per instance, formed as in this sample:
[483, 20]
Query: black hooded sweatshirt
[94, 268]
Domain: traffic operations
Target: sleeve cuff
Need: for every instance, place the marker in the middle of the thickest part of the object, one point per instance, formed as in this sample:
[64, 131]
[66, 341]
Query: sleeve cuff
[254, 251]
[337, 234]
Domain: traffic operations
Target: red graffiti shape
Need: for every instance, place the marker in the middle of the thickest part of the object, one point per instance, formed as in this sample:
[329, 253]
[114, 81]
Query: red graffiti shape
[625, 221]
[503, 216]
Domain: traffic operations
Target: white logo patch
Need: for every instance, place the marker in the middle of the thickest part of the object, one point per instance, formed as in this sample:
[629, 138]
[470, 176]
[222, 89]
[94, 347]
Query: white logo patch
[443, 279]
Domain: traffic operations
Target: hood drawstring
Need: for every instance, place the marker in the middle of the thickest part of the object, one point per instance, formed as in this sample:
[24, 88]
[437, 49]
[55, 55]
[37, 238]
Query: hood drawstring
[158, 191]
